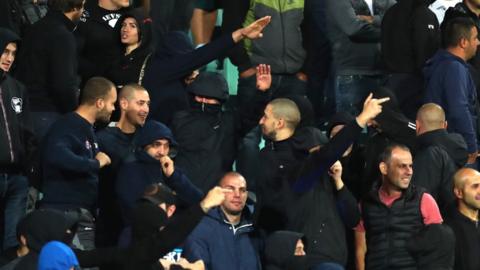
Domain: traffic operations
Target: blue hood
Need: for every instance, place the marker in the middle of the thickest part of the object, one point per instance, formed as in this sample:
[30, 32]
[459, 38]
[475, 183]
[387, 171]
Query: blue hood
[152, 131]
[57, 256]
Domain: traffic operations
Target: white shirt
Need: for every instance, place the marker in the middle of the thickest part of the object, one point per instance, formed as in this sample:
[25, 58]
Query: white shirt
[440, 6]
[370, 6]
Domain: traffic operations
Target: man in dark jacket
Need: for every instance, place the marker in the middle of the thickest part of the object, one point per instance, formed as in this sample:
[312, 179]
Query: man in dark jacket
[439, 155]
[410, 36]
[118, 143]
[449, 82]
[71, 159]
[48, 64]
[15, 141]
[206, 133]
[464, 220]
[290, 190]
[222, 240]
[153, 164]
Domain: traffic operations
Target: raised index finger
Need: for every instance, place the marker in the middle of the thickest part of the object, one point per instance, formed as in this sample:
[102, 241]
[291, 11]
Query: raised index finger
[382, 100]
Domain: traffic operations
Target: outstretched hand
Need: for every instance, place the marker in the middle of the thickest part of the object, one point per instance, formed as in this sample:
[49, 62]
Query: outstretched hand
[252, 31]
[264, 77]
[371, 108]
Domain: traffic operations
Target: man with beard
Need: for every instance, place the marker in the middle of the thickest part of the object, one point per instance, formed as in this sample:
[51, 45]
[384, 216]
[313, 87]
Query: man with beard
[47, 64]
[118, 143]
[222, 239]
[71, 159]
[464, 221]
[394, 210]
[292, 185]
[153, 164]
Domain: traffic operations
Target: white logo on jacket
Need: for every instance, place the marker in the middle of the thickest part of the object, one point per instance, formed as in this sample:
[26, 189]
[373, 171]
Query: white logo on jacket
[17, 104]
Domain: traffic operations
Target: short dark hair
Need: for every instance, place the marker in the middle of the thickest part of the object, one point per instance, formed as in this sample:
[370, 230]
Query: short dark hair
[95, 88]
[455, 30]
[128, 90]
[386, 155]
[65, 5]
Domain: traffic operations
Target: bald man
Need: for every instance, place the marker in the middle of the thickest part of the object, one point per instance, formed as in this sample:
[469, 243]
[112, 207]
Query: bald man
[464, 220]
[439, 155]
[118, 143]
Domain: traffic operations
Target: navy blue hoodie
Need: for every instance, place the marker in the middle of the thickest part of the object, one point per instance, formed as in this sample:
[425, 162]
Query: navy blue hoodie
[449, 84]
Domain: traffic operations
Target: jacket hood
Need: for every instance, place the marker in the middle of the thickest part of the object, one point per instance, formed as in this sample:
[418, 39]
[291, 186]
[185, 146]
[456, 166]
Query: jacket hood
[305, 138]
[43, 226]
[57, 256]
[433, 247]
[152, 131]
[438, 59]
[452, 143]
[211, 85]
[144, 27]
[7, 36]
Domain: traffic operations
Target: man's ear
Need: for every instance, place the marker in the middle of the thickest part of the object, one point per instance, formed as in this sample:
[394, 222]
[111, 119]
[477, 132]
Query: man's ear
[463, 43]
[100, 103]
[458, 193]
[123, 103]
[383, 168]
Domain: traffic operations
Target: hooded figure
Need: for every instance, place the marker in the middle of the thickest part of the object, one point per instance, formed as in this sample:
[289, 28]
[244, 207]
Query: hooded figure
[132, 33]
[206, 133]
[280, 252]
[41, 227]
[146, 169]
[57, 256]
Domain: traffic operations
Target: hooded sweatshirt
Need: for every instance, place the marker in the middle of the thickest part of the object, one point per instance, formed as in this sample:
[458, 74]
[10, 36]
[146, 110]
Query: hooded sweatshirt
[126, 68]
[16, 138]
[450, 85]
[135, 176]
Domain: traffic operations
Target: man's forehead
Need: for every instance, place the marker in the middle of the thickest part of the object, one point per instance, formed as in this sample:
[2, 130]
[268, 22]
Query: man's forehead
[473, 180]
[12, 46]
[236, 182]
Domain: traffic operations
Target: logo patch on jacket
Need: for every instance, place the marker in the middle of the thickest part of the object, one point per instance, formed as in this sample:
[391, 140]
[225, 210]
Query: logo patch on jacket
[17, 104]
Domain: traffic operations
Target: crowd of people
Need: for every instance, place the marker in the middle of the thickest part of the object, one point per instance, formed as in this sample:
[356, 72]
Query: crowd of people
[351, 143]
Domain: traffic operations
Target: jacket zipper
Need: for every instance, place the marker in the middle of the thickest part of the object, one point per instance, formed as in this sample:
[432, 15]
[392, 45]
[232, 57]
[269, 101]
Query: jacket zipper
[7, 129]
[283, 34]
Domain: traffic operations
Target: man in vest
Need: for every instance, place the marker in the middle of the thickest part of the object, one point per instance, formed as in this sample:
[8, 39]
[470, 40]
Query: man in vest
[392, 213]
